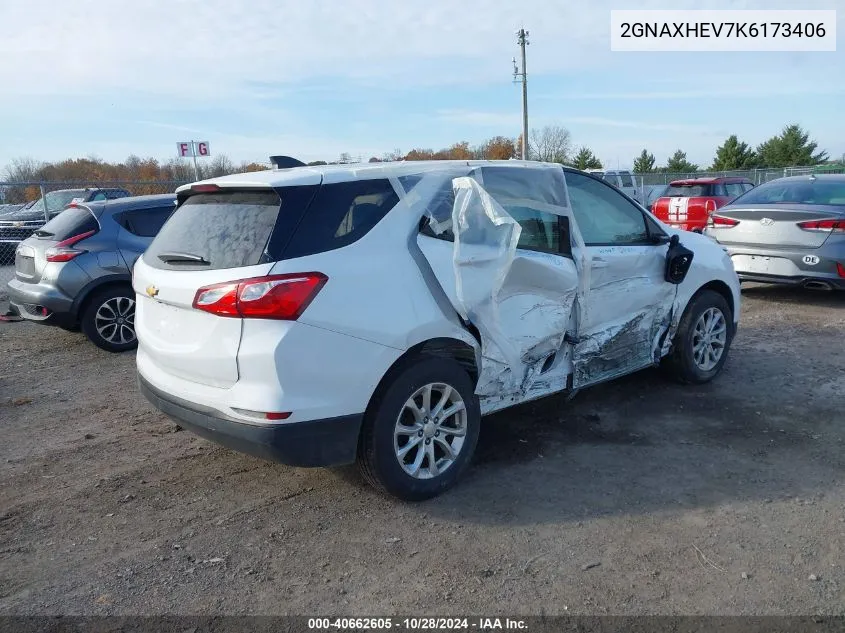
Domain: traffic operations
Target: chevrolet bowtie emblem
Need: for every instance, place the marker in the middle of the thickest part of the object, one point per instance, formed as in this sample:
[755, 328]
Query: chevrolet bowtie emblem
[152, 291]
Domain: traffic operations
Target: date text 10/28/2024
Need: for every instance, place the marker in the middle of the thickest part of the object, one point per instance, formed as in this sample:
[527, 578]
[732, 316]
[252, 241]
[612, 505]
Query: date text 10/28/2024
[417, 624]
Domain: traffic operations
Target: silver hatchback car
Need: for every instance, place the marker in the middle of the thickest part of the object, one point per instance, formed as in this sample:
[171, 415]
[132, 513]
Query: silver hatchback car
[787, 231]
[76, 270]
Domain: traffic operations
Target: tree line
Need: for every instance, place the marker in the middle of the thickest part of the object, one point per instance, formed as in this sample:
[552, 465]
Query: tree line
[791, 148]
[552, 143]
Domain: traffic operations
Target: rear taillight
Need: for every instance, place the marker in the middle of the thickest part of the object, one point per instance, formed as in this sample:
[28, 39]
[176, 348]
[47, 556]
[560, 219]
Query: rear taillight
[63, 251]
[834, 225]
[721, 221]
[273, 297]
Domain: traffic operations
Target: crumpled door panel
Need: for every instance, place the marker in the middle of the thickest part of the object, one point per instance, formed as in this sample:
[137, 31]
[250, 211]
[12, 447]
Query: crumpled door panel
[520, 301]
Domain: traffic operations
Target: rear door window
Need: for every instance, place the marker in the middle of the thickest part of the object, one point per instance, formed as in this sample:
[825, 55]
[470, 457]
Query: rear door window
[626, 179]
[146, 222]
[734, 189]
[340, 214]
[70, 223]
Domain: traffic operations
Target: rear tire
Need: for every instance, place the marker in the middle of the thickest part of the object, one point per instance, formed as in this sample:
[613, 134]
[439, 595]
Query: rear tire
[706, 327]
[406, 448]
[108, 319]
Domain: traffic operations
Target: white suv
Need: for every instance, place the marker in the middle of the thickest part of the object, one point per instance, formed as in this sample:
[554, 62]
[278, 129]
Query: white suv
[321, 315]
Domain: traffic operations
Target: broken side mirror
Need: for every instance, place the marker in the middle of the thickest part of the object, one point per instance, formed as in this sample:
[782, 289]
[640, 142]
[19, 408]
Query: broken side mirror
[678, 261]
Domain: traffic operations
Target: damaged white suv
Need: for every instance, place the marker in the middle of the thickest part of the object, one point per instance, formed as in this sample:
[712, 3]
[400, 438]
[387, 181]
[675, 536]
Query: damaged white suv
[321, 315]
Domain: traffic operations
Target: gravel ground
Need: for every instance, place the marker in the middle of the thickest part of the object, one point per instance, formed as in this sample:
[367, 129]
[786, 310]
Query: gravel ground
[637, 497]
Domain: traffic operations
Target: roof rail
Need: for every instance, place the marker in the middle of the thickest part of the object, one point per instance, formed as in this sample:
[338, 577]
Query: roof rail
[285, 162]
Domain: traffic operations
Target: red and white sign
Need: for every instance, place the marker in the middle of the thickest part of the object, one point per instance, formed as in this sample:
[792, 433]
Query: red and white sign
[188, 149]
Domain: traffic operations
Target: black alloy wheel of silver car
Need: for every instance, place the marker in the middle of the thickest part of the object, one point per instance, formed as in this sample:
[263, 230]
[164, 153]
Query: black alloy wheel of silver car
[702, 341]
[421, 430]
[108, 319]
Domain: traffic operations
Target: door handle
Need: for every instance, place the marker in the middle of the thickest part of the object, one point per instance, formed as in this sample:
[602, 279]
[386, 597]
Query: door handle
[599, 262]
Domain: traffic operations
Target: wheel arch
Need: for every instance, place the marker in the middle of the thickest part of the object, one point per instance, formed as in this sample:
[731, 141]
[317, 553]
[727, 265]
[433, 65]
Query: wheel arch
[442, 347]
[83, 299]
[720, 287]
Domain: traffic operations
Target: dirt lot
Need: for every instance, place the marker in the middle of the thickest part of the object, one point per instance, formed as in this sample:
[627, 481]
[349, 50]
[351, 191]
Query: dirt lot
[637, 497]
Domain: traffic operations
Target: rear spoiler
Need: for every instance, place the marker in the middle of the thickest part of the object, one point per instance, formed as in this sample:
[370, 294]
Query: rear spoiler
[285, 162]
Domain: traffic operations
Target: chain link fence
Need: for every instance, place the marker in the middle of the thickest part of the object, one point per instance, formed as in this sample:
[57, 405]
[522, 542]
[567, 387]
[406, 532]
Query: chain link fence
[757, 176]
[26, 206]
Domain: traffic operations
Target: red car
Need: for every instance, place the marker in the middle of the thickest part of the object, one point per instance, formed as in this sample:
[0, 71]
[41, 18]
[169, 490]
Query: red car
[687, 204]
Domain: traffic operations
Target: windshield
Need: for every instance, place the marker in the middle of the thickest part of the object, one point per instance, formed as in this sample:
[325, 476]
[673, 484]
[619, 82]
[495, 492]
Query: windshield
[58, 200]
[819, 192]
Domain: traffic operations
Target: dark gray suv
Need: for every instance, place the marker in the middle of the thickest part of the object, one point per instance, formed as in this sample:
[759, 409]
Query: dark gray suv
[76, 270]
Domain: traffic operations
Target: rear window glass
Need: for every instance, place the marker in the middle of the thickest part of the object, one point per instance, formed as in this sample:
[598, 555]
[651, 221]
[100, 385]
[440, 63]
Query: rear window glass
[688, 191]
[228, 229]
[626, 179]
[146, 222]
[69, 223]
[340, 214]
[796, 192]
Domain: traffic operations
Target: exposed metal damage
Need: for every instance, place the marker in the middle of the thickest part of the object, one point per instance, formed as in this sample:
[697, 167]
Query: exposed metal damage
[540, 316]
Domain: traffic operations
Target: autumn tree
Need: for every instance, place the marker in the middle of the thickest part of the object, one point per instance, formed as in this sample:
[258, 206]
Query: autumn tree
[244, 168]
[678, 163]
[420, 154]
[585, 159]
[497, 148]
[791, 148]
[551, 144]
[734, 154]
[644, 163]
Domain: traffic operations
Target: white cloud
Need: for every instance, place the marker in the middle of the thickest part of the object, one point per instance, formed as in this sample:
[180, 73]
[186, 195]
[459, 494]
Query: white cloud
[208, 49]
[152, 59]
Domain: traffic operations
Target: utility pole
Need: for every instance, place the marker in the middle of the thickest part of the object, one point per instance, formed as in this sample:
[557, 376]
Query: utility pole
[522, 40]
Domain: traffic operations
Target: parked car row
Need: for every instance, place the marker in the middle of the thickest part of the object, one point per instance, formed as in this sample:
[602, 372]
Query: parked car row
[20, 223]
[75, 270]
[324, 315]
[787, 231]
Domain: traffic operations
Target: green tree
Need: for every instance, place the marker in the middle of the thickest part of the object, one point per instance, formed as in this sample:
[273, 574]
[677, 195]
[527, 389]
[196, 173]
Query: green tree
[733, 154]
[791, 148]
[678, 163]
[644, 163]
[585, 159]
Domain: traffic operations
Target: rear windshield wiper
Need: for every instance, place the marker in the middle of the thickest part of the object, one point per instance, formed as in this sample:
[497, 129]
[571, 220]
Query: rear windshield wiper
[183, 258]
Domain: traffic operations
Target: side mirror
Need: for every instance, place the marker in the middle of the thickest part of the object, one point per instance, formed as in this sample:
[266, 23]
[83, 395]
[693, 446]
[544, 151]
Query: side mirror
[678, 261]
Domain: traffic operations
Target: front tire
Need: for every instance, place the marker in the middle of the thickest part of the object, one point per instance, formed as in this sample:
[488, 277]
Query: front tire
[109, 319]
[420, 433]
[702, 341]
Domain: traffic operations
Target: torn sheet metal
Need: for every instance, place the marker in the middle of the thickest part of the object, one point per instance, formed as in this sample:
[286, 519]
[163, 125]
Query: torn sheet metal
[520, 301]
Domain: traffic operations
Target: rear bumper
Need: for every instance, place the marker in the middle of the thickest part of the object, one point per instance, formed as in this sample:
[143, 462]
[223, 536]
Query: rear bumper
[786, 267]
[326, 442]
[838, 284]
[29, 298]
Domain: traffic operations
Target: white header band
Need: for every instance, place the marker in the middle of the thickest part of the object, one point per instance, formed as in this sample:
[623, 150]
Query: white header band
[723, 30]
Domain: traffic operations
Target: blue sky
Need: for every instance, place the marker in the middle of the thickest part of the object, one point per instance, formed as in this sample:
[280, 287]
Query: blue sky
[319, 77]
